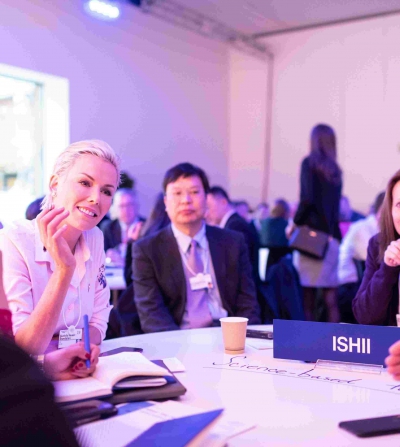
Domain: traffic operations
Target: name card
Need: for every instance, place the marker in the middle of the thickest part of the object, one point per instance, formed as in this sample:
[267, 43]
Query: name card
[311, 341]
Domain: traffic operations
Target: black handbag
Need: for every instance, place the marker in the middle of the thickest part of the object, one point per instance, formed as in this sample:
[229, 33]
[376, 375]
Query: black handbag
[309, 242]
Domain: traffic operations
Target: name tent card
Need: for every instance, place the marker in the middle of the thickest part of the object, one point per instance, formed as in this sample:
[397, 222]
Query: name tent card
[352, 343]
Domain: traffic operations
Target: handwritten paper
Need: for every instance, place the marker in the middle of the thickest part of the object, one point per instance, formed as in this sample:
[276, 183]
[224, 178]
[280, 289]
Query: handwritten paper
[120, 430]
[300, 371]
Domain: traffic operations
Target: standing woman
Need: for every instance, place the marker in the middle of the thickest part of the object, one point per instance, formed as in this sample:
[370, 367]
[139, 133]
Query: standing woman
[54, 265]
[320, 191]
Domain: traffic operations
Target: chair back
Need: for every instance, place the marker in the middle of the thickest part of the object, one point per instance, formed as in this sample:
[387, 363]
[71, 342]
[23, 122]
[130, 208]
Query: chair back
[284, 292]
[124, 318]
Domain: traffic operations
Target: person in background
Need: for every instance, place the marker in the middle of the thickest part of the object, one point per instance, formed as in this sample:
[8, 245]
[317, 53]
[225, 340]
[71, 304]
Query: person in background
[273, 234]
[118, 231]
[223, 214]
[377, 299]
[157, 220]
[320, 192]
[33, 209]
[180, 273]
[260, 213]
[352, 257]
[243, 209]
[271, 227]
[347, 215]
[54, 265]
[126, 182]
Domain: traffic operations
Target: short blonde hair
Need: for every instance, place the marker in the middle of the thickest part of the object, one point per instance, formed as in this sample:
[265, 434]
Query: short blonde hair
[87, 147]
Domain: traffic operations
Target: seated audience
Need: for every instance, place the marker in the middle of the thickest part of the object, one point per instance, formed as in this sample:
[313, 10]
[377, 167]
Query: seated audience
[347, 215]
[377, 300]
[189, 275]
[352, 257]
[33, 209]
[126, 181]
[273, 234]
[222, 213]
[118, 231]
[260, 213]
[243, 209]
[157, 220]
[54, 265]
[273, 227]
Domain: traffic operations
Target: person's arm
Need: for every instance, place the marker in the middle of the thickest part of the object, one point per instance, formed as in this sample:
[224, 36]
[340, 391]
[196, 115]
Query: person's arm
[153, 313]
[70, 362]
[246, 301]
[37, 329]
[306, 193]
[29, 414]
[371, 304]
[393, 361]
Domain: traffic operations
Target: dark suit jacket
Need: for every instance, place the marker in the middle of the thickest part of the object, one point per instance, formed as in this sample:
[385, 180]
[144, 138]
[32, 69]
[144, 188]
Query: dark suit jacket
[160, 283]
[377, 299]
[237, 223]
[29, 416]
[112, 233]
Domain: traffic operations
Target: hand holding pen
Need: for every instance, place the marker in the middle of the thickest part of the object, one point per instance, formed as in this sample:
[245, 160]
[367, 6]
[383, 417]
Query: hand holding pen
[69, 363]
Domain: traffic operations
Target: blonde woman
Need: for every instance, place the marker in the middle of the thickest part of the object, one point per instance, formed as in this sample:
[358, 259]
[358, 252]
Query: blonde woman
[54, 265]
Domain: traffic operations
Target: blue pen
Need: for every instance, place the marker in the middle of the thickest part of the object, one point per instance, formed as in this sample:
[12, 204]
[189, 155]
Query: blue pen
[86, 337]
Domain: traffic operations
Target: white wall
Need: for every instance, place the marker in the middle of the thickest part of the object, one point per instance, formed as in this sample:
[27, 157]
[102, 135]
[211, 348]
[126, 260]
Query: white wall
[158, 94]
[248, 120]
[349, 77]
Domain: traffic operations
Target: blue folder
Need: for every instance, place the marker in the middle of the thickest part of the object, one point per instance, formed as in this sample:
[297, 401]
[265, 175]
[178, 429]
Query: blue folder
[175, 432]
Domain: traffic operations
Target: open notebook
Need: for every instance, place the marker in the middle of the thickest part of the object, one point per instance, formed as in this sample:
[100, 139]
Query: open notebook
[119, 371]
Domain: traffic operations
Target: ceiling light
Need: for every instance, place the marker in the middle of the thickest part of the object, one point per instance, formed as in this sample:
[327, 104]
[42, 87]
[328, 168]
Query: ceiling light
[102, 9]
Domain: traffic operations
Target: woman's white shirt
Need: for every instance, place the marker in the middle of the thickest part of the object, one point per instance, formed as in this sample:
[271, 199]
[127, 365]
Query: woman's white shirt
[28, 267]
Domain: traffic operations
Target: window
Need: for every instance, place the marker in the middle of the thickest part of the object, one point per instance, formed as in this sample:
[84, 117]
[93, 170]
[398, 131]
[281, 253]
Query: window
[34, 127]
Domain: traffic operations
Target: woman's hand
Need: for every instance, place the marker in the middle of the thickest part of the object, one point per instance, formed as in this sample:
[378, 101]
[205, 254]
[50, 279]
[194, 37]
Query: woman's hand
[51, 235]
[393, 361]
[70, 362]
[392, 254]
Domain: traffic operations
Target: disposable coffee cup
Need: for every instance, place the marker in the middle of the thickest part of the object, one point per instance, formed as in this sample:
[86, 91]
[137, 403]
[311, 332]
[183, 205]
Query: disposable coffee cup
[234, 334]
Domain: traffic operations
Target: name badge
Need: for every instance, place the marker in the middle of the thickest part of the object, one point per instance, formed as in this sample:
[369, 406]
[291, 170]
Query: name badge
[67, 337]
[201, 281]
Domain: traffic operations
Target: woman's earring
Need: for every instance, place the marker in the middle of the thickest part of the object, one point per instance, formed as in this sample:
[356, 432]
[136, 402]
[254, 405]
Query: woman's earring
[53, 193]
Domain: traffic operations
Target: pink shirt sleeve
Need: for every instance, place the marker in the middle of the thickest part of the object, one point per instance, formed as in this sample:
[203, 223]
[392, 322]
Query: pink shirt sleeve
[17, 282]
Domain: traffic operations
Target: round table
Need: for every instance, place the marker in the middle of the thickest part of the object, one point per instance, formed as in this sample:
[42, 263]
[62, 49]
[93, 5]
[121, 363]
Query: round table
[287, 410]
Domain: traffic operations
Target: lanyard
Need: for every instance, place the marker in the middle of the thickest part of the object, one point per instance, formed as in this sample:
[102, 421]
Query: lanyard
[71, 329]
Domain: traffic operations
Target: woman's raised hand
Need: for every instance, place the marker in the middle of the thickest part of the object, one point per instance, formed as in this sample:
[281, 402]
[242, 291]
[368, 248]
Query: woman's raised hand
[392, 254]
[51, 235]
